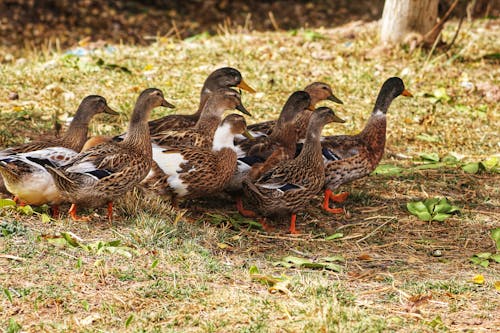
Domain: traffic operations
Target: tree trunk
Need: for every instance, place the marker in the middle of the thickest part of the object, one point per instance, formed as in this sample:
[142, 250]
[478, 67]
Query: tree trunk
[402, 18]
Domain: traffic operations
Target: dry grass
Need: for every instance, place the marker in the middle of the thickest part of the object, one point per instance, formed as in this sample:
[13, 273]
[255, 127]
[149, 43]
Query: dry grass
[191, 273]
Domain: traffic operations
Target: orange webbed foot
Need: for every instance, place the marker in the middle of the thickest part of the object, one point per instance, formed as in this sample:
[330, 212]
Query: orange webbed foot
[74, 217]
[293, 230]
[244, 212]
[337, 198]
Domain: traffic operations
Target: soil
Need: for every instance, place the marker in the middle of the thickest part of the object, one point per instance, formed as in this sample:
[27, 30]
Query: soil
[64, 23]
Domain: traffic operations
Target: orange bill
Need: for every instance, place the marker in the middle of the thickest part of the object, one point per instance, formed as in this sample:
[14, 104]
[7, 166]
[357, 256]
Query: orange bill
[407, 93]
[243, 85]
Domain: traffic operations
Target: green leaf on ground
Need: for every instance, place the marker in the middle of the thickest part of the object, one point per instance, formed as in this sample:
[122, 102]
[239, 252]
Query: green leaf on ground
[335, 236]
[432, 209]
[495, 235]
[387, 170]
[7, 203]
[471, 167]
[433, 157]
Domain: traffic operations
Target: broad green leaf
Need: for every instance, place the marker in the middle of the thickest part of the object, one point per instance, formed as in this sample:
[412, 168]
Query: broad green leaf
[440, 217]
[26, 210]
[483, 255]
[45, 218]
[442, 206]
[416, 207]
[114, 243]
[296, 260]
[495, 257]
[428, 138]
[495, 235]
[454, 209]
[471, 167]
[387, 170]
[7, 203]
[335, 236]
[155, 263]
[450, 159]
[475, 260]
[333, 259]
[430, 203]
[424, 216]
[427, 166]
[490, 163]
[485, 263]
[333, 267]
[433, 157]
[441, 95]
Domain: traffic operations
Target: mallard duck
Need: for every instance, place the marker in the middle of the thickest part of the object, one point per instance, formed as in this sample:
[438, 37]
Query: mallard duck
[225, 77]
[76, 135]
[108, 170]
[347, 158]
[202, 134]
[192, 172]
[288, 187]
[280, 143]
[23, 167]
[318, 91]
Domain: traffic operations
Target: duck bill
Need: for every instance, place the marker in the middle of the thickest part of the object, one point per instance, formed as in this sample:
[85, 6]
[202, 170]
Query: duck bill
[248, 135]
[167, 104]
[242, 109]
[334, 99]
[337, 119]
[407, 93]
[311, 107]
[109, 110]
[243, 85]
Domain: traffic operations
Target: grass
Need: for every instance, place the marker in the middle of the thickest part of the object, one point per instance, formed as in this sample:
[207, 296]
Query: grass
[188, 271]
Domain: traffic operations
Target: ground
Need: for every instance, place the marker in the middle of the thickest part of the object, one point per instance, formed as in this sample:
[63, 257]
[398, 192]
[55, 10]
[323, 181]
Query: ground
[204, 268]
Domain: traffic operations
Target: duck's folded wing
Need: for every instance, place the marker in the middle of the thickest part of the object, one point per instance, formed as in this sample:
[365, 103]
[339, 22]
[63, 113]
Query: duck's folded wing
[277, 181]
[54, 156]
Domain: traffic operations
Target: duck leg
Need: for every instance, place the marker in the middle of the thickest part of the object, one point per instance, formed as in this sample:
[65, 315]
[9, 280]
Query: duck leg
[336, 198]
[292, 224]
[54, 209]
[74, 217]
[19, 201]
[265, 226]
[244, 212]
[110, 211]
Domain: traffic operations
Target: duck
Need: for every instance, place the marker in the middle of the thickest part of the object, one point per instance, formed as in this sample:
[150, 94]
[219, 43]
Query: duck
[288, 187]
[104, 172]
[318, 91]
[75, 136]
[192, 172]
[224, 77]
[350, 157]
[202, 134]
[23, 167]
[280, 144]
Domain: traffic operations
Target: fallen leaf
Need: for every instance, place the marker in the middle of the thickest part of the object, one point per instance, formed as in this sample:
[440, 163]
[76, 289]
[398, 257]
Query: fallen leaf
[497, 285]
[365, 256]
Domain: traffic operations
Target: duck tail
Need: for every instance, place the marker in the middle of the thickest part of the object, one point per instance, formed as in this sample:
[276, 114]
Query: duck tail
[60, 178]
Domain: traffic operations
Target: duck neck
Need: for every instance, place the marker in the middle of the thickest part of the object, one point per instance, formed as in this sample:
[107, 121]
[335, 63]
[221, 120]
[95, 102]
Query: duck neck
[205, 92]
[137, 136]
[76, 135]
[373, 135]
[311, 154]
[285, 134]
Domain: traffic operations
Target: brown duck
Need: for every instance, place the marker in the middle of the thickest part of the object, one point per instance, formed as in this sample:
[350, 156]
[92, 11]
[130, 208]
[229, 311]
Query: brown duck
[351, 157]
[225, 77]
[106, 171]
[202, 134]
[192, 172]
[23, 167]
[288, 187]
[318, 91]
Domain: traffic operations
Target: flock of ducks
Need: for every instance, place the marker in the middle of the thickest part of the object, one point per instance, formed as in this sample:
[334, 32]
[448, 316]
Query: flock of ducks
[276, 167]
